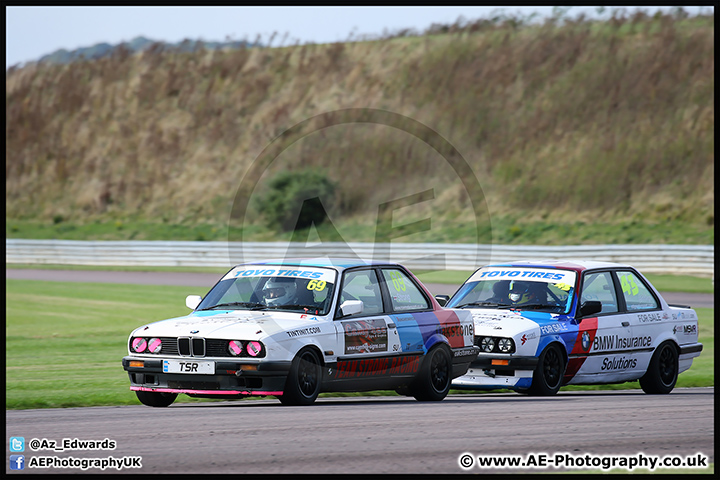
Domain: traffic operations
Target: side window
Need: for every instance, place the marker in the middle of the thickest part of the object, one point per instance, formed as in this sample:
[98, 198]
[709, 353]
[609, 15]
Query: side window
[599, 286]
[404, 294]
[637, 295]
[363, 285]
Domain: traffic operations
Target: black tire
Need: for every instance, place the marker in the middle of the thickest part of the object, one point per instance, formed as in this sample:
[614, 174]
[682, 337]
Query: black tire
[433, 381]
[662, 373]
[548, 375]
[303, 382]
[156, 399]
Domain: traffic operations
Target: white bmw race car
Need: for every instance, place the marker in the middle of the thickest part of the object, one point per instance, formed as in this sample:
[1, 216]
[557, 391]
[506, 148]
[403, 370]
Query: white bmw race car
[293, 329]
[541, 325]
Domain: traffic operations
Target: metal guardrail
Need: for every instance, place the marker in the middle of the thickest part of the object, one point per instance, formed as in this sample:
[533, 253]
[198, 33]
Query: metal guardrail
[677, 259]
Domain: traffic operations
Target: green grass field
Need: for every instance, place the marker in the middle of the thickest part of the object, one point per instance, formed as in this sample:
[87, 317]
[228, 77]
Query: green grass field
[65, 341]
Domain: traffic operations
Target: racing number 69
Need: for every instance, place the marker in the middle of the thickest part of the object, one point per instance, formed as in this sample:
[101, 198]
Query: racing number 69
[318, 285]
[397, 281]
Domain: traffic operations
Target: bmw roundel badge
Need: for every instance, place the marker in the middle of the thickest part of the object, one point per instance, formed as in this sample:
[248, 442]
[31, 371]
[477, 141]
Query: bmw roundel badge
[585, 340]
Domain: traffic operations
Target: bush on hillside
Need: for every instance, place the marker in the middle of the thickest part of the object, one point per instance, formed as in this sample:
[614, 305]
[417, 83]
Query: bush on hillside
[297, 199]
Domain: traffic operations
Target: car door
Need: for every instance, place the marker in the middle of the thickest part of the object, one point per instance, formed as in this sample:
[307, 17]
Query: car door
[367, 339]
[601, 355]
[419, 325]
[644, 313]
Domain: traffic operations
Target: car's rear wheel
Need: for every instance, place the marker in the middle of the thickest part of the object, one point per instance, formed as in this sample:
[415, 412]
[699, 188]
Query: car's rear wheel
[435, 376]
[303, 382]
[156, 399]
[549, 373]
[662, 373]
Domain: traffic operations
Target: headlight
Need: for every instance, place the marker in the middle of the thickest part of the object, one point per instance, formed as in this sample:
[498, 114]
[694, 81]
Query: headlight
[139, 345]
[235, 347]
[505, 345]
[495, 344]
[144, 345]
[246, 348]
[154, 345]
[254, 348]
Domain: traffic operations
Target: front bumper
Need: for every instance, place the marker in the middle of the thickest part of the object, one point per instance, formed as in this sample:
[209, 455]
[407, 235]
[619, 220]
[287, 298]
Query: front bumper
[231, 378]
[492, 371]
[504, 362]
[462, 359]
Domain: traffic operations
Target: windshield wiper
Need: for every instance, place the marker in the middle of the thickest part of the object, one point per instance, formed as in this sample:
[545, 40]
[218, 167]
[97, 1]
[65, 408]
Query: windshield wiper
[482, 304]
[252, 305]
[307, 308]
[533, 306]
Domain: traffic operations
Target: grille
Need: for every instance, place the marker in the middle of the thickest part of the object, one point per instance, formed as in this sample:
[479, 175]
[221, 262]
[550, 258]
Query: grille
[191, 346]
[216, 348]
[184, 346]
[193, 384]
[169, 346]
[198, 347]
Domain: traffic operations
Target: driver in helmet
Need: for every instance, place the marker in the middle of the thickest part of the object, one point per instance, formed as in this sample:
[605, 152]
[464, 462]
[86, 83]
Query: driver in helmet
[500, 292]
[522, 293]
[280, 291]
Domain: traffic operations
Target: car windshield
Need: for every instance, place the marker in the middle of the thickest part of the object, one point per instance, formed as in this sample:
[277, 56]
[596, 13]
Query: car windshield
[524, 288]
[293, 288]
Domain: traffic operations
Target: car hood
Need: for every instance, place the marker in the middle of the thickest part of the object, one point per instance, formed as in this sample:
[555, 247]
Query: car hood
[239, 324]
[512, 322]
[501, 323]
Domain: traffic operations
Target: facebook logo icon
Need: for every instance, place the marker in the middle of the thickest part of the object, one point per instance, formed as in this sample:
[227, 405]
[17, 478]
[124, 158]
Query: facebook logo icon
[17, 462]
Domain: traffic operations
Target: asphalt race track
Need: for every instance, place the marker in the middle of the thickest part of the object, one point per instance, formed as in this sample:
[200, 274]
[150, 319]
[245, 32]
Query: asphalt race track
[375, 435]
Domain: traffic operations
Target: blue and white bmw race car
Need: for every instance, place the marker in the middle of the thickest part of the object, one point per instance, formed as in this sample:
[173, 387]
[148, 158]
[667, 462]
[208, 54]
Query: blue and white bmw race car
[545, 324]
[293, 329]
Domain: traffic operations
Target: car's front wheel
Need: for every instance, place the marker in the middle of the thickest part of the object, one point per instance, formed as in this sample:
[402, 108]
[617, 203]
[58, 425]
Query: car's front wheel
[662, 373]
[156, 399]
[303, 382]
[549, 373]
[433, 381]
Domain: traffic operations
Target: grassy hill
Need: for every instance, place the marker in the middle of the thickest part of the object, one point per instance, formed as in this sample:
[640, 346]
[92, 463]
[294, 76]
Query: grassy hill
[576, 132]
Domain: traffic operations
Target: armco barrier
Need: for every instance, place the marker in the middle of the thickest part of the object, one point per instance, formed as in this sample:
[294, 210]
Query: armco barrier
[677, 259]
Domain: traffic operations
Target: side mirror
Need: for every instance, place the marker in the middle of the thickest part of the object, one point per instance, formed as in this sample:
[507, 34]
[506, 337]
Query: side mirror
[590, 307]
[192, 301]
[351, 307]
[442, 299]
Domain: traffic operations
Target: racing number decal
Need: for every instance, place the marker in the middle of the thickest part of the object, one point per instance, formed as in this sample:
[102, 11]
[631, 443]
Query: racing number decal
[397, 281]
[628, 285]
[317, 285]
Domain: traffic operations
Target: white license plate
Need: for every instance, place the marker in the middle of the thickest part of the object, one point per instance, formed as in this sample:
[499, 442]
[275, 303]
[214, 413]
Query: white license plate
[181, 366]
